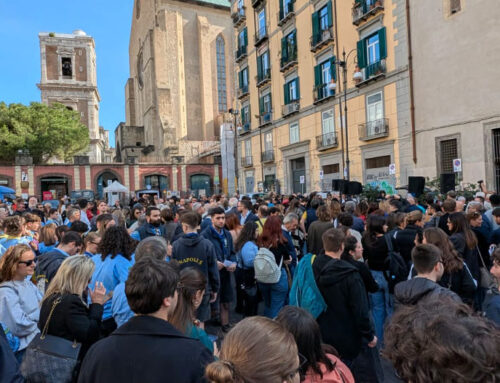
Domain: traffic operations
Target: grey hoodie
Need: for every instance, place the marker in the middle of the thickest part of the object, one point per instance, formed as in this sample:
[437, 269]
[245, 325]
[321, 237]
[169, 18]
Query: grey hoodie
[412, 291]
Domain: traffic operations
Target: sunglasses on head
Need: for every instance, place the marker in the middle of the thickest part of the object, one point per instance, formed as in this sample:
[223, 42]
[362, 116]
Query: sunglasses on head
[27, 263]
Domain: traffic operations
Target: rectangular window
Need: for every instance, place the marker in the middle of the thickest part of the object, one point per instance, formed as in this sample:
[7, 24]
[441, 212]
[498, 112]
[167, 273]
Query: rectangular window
[331, 169]
[373, 49]
[262, 23]
[245, 114]
[374, 107]
[327, 122]
[324, 21]
[265, 63]
[449, 151]
[244, 77]
[67, 69]
[240, 5]
[326, 72]
[242, 38]
[268, 142]
[293, 90]
[248, 148]
[267, 103]
[294, 133]
[377, 162]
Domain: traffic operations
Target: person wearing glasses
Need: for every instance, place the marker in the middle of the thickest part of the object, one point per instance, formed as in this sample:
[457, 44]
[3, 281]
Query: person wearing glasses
[19, 297]
[91, 243]
[257, 349]
[428, 262]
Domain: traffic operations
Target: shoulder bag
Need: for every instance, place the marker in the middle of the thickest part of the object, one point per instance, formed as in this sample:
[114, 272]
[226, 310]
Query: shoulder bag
[486, 280]
[50, 359]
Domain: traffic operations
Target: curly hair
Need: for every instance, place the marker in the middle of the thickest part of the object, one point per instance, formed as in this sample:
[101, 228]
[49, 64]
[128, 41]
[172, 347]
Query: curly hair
[439, 340]
[116, 240]
[9, 261]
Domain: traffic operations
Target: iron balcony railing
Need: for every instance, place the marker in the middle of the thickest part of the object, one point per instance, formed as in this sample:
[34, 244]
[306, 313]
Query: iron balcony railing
[290, 59]
[245, 128]
[246, 161]
[243, 91]
[292, 107]
[268, 156]
[239, 16]
[286, 13]
[241, 53]
[363, 9]
[265, 118]
[326, 141]
[264, 77]
[322, 92]
[374, 129]
[321, 38]
[373, 71]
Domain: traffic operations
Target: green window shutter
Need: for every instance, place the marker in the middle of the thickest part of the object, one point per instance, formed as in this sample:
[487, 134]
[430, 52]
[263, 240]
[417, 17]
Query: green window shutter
[284, 51]
[297, 86]
[270, 102]
[240, 79]
[286, 91]
[330, 14]
[259, 67]
[242, 115]
[245, 36]
[317, 75]
[333, 68]
[361, 53]
[382, 43]
[315, 25]
[282, 13]
[261, 106]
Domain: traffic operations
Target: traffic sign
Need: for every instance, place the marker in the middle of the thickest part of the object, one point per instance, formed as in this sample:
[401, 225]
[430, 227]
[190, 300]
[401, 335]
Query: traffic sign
[321, 174]
[392, 169]
[302, 179]
[457, 165]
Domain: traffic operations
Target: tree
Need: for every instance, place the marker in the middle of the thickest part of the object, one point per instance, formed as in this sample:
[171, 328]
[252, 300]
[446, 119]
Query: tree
[45, 131]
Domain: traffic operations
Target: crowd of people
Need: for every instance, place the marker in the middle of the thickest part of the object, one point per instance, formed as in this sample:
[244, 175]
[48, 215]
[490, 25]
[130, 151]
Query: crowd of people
[278, 289]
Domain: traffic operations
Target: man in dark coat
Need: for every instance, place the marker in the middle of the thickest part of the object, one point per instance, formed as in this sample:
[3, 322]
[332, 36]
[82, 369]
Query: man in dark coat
[147, 348]
[245, 212]
[153, 225]
[345, 324]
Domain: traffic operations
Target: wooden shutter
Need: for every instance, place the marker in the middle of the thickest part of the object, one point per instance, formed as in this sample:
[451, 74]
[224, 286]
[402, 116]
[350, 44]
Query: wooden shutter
[315, 25]
[259, 68]
[333, 68]
[330, 14]
[261, 105]
[361, 53]
[297, 86]
[245, 36]
[284, 50]
[382, 43]
[317, 75]
[286, 91]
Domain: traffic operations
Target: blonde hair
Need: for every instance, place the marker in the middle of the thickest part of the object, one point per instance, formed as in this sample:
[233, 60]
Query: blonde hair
[72, 277]
[256, 350]
[48, 234]
[413, 217]
[9, 261]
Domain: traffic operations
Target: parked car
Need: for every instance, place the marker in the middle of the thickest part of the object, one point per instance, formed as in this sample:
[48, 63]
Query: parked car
[79, 194]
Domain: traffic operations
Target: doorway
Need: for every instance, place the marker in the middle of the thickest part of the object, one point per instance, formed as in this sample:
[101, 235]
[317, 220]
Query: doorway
[298, 172]
[58, 186]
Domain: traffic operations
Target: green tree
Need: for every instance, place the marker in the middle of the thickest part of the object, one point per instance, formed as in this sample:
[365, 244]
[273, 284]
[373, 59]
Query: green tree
[45, 131]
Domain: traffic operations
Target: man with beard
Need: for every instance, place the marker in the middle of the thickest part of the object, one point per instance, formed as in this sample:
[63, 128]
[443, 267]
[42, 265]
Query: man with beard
[153, 225]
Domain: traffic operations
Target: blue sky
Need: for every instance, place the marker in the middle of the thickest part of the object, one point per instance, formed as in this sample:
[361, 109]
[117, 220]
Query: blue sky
[107, 21]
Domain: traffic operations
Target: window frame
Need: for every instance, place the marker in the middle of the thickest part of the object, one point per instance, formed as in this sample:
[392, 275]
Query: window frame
[374, 47]
[367, 104]
[221, 74]
[262, 29]
[294, 130]
[332, 122]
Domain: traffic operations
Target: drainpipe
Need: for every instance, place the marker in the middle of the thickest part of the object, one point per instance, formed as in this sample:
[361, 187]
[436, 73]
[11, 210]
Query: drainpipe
[410, 70]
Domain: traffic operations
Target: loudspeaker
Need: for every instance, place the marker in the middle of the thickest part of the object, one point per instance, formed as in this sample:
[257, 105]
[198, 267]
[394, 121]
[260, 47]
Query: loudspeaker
[354, 188]
[340, 186]
[447, 182]
[416, 185]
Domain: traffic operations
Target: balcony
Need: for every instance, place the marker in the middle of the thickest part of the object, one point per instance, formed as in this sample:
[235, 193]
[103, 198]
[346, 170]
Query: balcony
[261, 36]
[265, 118]
[372, 72]
[256, 3]
[291, 108]
[327, 141]
[242, 130]
[267, 156]
[363, 9]
[286, 14]
[243, 91]
[241, 53]
[373, 129]
[322, 93]
[290, 60]
[321, 39]
[246, 161]
[239, 17]
[264, 78]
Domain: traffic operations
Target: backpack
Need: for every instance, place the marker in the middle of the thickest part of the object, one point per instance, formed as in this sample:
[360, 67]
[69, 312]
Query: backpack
[266, 269]
[396, 270]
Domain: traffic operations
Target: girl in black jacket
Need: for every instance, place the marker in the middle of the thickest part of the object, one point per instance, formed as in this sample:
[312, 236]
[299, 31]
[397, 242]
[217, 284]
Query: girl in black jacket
[353, 253]
[72, 318]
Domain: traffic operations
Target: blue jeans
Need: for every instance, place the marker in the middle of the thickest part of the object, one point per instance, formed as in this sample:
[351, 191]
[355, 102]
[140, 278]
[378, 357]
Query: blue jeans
[382, 304]
[275, 295]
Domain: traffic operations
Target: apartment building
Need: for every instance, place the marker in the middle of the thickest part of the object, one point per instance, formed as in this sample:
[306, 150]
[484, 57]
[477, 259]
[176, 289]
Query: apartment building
[294, 134]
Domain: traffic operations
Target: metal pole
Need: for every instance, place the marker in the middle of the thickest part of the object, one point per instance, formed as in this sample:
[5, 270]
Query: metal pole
[345, 116]
[236, 175]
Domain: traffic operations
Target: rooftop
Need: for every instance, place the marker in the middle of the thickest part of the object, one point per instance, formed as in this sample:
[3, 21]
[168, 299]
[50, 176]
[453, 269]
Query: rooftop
[217, 3]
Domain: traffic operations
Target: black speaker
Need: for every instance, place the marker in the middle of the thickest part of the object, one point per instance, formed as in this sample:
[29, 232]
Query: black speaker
[354, 188]
[335, 185]
[340, 186]
[416, 185]
[447, 182]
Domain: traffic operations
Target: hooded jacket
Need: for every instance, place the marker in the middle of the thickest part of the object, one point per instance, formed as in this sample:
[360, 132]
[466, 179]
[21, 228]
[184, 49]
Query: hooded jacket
[195, 251]
[412, 291]
[345, 324]
[47, 265]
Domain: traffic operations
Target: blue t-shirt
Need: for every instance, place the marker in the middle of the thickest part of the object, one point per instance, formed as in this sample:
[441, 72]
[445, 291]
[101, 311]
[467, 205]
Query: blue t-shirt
[119, 305]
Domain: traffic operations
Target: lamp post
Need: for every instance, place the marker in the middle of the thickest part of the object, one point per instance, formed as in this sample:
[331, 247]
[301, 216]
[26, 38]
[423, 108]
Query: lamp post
[234, 113]
[332, 86]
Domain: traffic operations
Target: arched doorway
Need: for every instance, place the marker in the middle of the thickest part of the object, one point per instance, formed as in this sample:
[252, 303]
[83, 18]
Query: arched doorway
[57, 185]
[158, 182]
[103, 180]
[201, 184]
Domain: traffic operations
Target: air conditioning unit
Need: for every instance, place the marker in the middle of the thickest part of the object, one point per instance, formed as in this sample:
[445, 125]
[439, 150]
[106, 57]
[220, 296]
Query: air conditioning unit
[377, 128]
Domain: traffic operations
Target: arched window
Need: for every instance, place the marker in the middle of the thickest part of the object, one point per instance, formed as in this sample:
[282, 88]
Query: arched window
[221, 74]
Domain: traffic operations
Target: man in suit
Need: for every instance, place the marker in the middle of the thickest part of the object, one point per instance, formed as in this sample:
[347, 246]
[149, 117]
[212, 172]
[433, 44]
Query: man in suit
[245, 212]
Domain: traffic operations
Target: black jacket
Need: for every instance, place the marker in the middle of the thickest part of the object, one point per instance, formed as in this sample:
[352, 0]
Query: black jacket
[412, 291]
[196, 251]
[345, 324]
[72, 320]
[470, 256]
[47, 265]
[145, 349]
[371, 285]
[218, 246]
[405, 241]
[9, 367]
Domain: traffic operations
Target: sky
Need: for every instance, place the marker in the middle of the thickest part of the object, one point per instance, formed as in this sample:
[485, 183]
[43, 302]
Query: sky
[107, 21]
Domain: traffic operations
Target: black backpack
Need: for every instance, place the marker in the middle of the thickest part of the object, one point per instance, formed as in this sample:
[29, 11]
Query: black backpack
[396, 270]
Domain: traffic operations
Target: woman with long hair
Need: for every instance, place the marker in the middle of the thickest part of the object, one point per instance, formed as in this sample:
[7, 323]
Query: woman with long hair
[72, 318]
[192, 288]
[246, 286]
[465, 241]
[353, 253]
[19, 297]
[475, 220]
[233, 225]
[111, 266]
[317, 229]
[375, 252]
[103, 223]
[256, 350]
[275, 294]
[48, 238]
[322, 363]
[457, 276]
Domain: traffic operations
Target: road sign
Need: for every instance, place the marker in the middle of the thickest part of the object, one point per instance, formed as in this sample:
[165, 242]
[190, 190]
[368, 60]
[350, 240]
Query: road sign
[457, 165]
[392, 169]
[302, 179]
[321, 174]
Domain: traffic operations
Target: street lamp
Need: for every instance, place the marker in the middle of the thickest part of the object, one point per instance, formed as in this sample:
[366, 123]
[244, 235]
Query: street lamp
[332, 86]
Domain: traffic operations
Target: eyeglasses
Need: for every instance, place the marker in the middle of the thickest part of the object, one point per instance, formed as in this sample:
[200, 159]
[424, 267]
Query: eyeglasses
[27, 263]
